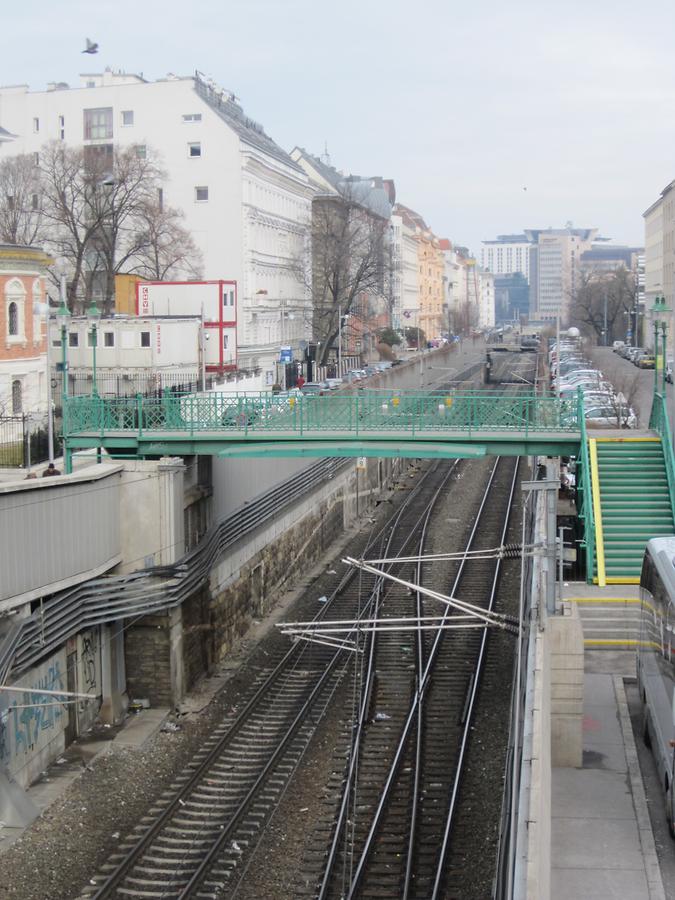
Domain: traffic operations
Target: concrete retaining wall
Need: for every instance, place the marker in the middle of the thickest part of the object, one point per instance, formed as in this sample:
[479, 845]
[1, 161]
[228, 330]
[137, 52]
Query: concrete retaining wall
[34, 727]
[166, 654]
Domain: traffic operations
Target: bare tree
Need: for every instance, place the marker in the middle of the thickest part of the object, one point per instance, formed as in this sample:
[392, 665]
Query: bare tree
[20, 201]
[349, 258]
[603, 297]
[70, 218]
[123, 186]
[165, 248]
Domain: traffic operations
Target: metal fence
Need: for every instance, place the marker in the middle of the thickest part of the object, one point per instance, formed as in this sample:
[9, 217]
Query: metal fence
[130, 383]
[24, 442]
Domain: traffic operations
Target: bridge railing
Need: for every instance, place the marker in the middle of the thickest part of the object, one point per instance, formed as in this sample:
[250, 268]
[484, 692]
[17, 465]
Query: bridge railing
[399, 411]
[659, 422]
[585, 493]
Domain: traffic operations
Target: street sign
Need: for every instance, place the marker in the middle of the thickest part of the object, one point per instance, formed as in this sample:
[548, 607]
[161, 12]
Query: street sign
[285, 355]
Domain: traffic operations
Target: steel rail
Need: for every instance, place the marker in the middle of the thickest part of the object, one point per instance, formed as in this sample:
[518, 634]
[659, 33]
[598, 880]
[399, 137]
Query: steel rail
[300, 650]
[369, 681]
[412, 713]
[214, 850]
[382, 537]
[470, 708]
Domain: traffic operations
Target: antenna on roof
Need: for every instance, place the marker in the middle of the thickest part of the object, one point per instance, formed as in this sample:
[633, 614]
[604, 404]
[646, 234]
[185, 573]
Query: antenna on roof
[325, 156]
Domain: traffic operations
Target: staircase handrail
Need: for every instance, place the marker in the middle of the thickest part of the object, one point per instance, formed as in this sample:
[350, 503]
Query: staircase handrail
[659, 422]
[586, 513]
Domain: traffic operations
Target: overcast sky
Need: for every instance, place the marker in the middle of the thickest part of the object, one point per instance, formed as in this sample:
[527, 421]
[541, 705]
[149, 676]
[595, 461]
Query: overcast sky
[490, 116]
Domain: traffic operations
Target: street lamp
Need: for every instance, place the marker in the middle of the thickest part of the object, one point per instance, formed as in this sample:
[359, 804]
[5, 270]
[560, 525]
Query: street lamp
[43, 309]
[341, 320]
[657, 310]
[94, 317]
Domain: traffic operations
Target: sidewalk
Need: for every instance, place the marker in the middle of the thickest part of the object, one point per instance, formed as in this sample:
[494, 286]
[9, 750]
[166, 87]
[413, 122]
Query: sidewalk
[602, 845]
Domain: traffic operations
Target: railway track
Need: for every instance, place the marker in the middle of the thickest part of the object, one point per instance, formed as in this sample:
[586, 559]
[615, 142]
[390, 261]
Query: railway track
[195, 840]
[393, 819]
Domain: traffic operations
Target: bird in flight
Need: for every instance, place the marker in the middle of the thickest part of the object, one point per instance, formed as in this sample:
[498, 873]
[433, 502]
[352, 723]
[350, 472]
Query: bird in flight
[91, 47]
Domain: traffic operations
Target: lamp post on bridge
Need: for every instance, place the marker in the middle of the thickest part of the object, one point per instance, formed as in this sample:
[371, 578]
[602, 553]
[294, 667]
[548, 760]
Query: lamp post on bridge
[94, 317]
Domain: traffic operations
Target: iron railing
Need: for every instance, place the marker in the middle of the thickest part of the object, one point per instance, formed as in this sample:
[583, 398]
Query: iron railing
[24, 441]
[585, 495]
[389, 411]
[659, 422]
[112, 598]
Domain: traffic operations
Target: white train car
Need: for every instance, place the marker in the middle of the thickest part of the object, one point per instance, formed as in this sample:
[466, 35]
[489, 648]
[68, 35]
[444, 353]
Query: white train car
[656, 661]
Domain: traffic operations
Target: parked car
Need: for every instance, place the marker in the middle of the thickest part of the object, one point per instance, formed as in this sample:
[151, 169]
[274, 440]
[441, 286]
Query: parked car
[647, 361]
[617, 345]
[333, 383]
[608, 417]
[637, 356]
[632, 352]
[312, 389]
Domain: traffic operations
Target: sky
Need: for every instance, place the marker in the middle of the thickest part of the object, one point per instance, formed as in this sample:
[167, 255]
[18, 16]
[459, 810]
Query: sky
[490, 116]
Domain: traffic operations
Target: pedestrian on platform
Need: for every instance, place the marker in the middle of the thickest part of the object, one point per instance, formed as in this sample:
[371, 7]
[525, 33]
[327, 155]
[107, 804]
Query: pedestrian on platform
[50, 471]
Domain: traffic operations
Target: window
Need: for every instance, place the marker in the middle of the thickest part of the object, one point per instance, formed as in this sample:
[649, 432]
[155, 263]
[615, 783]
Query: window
[90, 339]
[17, 397]
[192, 117]
[13, 319]
[109, 339]
[160, 199]
[228, 298]
[201, 194]
[35, 201]
[145, 338]
[98, 124]
[225, 342]
[91, 84]
[73, 339]
[36, 125]
[194, 150]
[141, 151]
[36, 159]
[127, 117]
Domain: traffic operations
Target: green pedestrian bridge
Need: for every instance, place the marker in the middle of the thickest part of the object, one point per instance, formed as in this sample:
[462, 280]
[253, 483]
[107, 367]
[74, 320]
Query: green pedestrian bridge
[625, 479]
[375, 423]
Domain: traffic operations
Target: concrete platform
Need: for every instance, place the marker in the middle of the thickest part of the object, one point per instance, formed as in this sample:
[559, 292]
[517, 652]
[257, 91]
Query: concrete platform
[602, 845]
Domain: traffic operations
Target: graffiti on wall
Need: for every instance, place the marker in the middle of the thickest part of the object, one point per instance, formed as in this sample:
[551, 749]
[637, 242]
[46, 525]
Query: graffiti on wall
[31, 720]
[89, 677]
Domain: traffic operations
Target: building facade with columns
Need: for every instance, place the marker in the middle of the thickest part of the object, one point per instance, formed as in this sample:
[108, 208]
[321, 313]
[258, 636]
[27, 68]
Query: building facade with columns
[23, 371]
[246, 203]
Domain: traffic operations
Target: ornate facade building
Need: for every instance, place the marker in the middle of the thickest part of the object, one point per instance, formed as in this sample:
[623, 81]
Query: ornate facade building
[23, 374]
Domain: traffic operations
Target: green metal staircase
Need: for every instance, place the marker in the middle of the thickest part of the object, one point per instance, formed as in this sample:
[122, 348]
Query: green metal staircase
[631, 501]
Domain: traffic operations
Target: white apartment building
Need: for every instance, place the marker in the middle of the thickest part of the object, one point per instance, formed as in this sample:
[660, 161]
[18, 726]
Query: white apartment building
[246, 202]
[659, 228]
[406, 295]
[508, 254]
